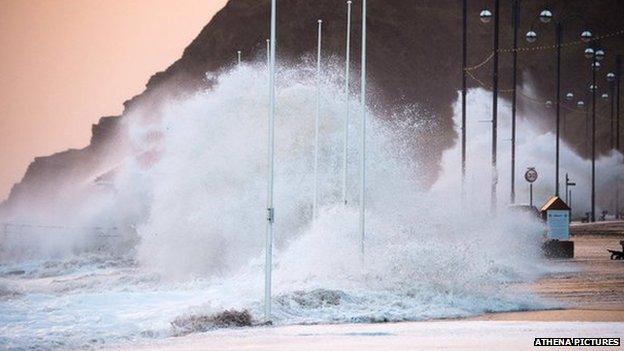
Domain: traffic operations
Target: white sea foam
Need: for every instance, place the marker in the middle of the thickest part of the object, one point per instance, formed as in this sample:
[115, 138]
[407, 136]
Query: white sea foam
[193, 191]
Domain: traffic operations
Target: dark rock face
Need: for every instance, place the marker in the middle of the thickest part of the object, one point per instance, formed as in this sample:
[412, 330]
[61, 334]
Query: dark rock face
[414, 58]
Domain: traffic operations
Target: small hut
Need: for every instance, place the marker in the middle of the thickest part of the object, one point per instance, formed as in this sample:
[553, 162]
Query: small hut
[556, 214]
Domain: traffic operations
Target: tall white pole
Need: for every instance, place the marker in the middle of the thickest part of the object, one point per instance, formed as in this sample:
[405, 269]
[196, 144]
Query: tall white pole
[363, 133]
[270, 210]
[317, 119]
[238, 53]
[346, 121]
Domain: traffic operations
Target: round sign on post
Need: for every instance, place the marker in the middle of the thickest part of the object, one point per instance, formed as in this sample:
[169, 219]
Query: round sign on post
[530, 175]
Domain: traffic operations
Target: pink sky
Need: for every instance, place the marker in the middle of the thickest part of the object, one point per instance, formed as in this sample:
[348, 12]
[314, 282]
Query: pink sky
[66, 63]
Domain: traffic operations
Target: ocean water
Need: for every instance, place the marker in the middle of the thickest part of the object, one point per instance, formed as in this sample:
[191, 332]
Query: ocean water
[187, 202]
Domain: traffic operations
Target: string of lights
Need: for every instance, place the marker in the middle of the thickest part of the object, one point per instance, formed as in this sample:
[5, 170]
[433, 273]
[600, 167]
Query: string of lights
[542, 47]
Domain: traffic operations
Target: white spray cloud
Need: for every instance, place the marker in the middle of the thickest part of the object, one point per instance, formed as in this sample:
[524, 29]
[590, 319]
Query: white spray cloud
[207, 188]
[534, 148]
[193, 188]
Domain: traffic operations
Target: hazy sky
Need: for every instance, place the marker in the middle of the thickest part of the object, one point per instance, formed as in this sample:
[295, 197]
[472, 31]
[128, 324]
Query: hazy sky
[65, 63]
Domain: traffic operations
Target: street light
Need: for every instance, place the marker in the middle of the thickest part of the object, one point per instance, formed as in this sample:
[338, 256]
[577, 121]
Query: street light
[589, 53]
[618, 72]
[486, 16]
[598, 55]
[464, 91]
[611, 81]
[569, 97]
[514, 93]
[268, 264]
[580, 104]
[549, 104]
[363, 134]
[345, 145]
[586, 36]
[605, 96]
[317, 119]
[531, 36]
[545, 16]
[596, 66]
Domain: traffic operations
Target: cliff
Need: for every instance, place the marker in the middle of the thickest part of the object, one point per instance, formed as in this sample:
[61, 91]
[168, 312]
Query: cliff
[414, 58]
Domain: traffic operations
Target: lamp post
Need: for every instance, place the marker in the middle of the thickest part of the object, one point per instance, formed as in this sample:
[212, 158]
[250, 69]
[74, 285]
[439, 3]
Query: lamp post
[597, 56]
[514, 80]
[589, 53]
[317, 119]
[345, 146]
[559, 34]
[618, 72]
[270, 210]
[611, 80]
[463, 93]
[486, 16]
[363, 134]
[568, 99]
[495, 105]
[593, 147]
[581, 105]
[238, 55]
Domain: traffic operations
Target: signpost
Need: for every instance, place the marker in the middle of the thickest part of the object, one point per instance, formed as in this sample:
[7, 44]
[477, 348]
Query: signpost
[569, 191]
[531, 177]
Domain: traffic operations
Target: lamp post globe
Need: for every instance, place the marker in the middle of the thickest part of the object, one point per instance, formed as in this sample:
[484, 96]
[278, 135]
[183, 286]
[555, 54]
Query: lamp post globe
[592, 88]
[610, 77]
[549, 104]
[569, 96]
[600, 54]
[589, 53]
[596, 65]
[605, 96]
[486, 16]
[545, 16]
[586, 36]
[580, 104]
[531, 36]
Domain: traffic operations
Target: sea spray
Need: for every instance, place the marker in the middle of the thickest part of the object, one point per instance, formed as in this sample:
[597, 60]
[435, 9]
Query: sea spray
[191, 192]
[534, 148]
[426, 251]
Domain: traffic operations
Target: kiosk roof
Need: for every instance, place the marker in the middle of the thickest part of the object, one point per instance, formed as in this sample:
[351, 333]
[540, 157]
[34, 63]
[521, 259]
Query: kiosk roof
[555, 203]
